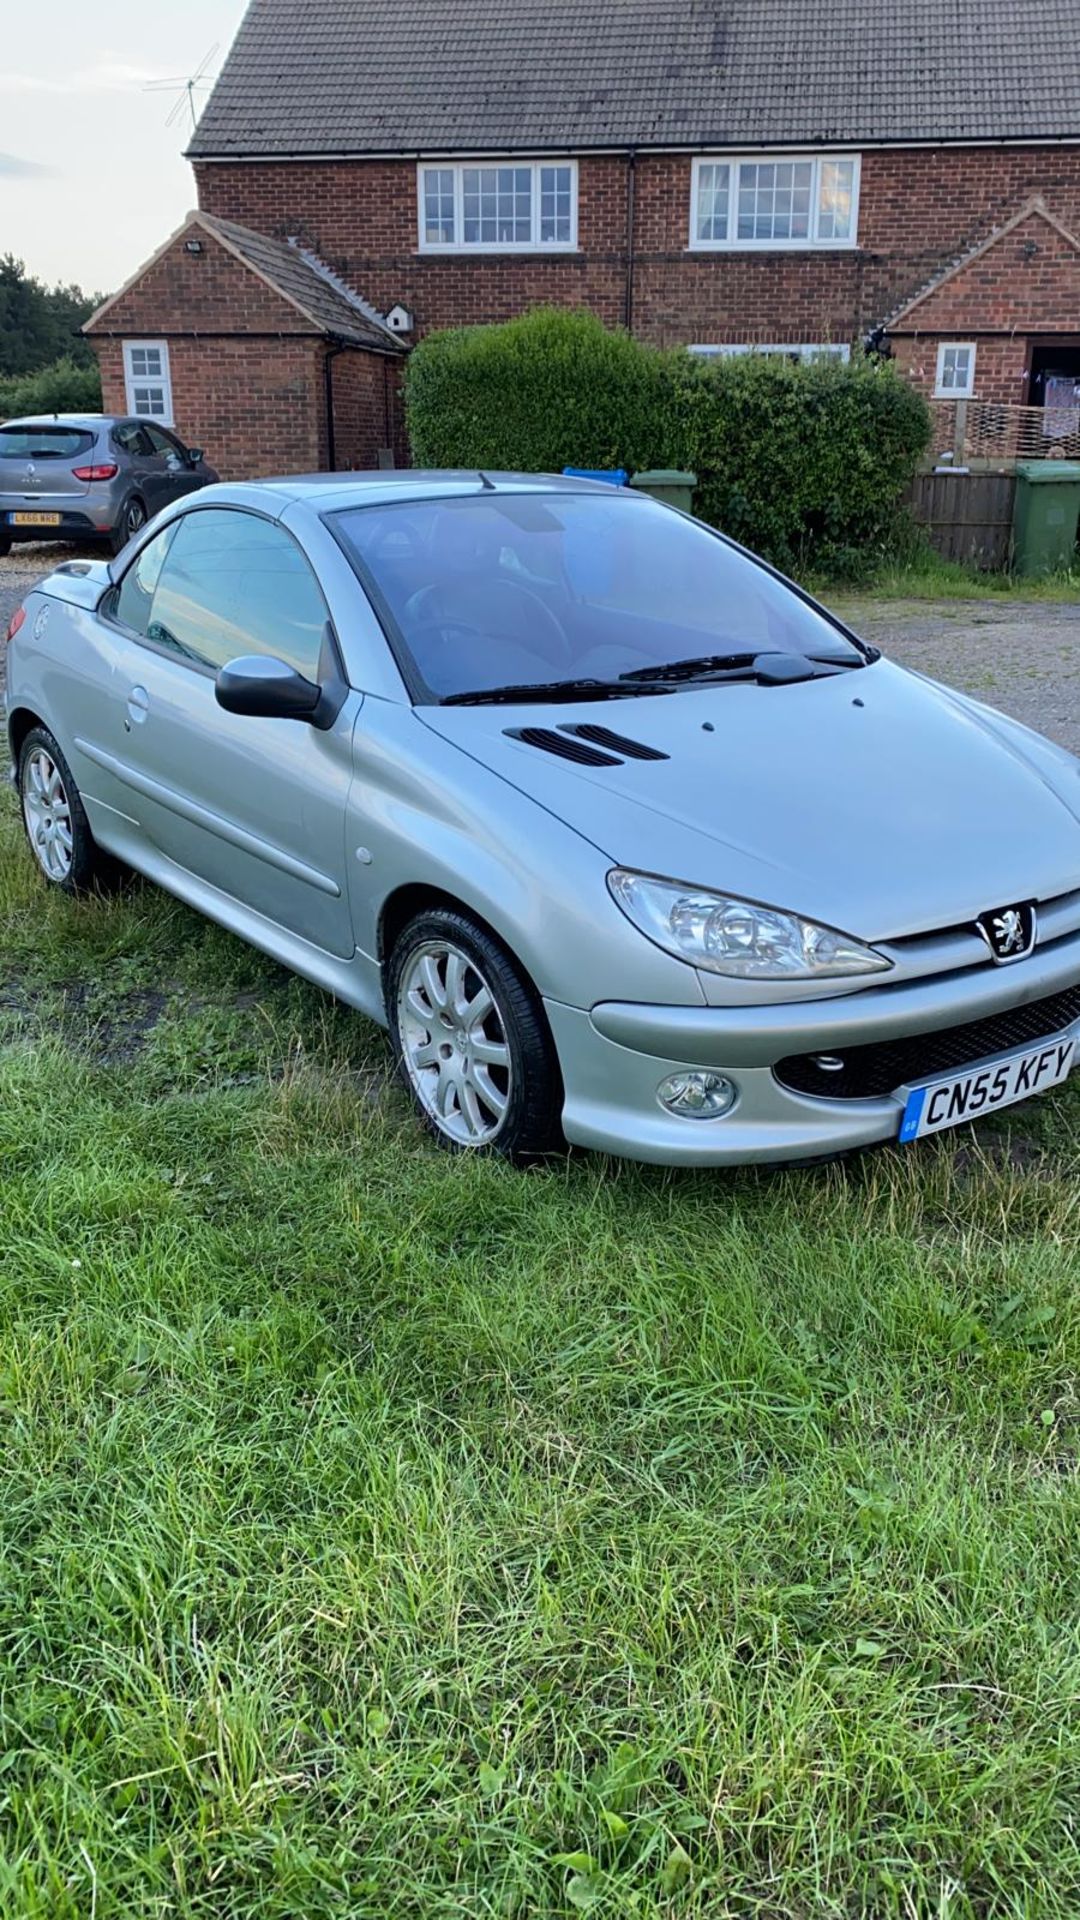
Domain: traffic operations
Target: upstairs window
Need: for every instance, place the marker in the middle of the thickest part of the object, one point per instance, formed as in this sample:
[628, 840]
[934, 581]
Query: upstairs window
[773, 200]
[528, 205]
[146, 378]
[787, 350]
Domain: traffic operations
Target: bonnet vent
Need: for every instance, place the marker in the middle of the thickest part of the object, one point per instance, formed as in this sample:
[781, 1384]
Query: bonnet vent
[563, 745]
[615, 742]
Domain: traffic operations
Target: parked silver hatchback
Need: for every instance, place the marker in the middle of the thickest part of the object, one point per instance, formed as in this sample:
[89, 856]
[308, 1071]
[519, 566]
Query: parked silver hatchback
[90, 476]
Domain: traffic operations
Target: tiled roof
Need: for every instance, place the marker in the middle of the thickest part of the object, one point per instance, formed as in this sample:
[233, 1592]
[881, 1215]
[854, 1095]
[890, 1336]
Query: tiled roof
[401, 76]
[307, 283]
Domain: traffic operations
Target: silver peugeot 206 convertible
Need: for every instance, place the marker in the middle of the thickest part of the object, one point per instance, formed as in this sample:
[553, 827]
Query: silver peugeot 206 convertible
[627, 841]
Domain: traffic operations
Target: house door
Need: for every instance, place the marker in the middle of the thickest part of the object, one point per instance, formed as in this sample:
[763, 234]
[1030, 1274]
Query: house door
[1054, 385]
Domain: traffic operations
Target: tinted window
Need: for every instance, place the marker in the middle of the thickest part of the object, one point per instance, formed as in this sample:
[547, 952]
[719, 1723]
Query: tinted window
[134, 440]
[234, 584]
[497, 588]
[43, 443]
[135, 598]
[161, 443]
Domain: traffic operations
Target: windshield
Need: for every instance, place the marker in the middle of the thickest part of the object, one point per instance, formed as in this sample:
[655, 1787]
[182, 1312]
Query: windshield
[528, 589]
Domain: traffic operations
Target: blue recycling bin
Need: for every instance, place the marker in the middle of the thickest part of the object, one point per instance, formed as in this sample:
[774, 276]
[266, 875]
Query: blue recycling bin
[612, 476]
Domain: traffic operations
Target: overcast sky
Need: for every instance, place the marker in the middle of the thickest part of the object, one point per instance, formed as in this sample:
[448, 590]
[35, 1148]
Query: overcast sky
[91, 178]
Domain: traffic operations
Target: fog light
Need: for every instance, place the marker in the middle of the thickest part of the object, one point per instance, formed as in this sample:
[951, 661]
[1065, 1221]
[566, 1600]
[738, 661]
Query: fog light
[697, 1095]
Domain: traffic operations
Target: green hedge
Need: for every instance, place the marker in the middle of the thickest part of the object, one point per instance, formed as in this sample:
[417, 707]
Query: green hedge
[64, 387]
[807, 463]
[549, 390]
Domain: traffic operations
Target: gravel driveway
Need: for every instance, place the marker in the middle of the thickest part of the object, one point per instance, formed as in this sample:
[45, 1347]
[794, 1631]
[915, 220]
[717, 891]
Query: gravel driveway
[1022, 656]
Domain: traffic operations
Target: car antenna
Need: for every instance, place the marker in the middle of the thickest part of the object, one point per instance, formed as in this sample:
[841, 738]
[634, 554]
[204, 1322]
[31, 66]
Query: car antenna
[488, 485]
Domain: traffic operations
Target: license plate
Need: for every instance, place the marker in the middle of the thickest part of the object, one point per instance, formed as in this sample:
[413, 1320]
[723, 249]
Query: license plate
[34, 519]
[947, 1103]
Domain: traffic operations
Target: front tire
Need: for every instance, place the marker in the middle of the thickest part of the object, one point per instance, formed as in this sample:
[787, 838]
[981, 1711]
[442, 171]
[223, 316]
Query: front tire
[55, 820]
[470, 1039]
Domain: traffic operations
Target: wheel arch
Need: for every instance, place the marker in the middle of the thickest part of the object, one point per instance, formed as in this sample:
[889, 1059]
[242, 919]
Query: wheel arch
[21, 721]
[405, 902]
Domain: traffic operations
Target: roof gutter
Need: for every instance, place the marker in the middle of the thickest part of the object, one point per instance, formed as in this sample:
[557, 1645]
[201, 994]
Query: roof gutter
[819, 144]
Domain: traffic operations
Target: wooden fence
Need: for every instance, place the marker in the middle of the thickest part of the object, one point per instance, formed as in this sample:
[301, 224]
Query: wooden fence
[967, 516]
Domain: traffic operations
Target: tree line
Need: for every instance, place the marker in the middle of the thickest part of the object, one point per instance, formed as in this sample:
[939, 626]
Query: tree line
[45, 364]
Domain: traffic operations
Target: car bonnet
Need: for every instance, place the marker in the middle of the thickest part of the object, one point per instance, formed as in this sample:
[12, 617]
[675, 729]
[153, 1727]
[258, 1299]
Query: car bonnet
[872, 799]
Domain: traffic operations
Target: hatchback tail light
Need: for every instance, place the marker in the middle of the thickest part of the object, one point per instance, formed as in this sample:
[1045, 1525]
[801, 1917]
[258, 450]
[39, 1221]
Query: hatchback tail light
[15, 622]
[107, 472]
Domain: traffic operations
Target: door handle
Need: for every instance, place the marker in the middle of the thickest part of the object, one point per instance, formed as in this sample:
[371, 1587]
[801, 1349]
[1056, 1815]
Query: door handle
[138, 706]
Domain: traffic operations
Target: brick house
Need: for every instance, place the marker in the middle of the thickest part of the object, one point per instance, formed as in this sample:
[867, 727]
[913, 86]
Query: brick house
[791, 176]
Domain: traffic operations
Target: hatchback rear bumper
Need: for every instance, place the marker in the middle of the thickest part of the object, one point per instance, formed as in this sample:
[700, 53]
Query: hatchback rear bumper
[87, 522]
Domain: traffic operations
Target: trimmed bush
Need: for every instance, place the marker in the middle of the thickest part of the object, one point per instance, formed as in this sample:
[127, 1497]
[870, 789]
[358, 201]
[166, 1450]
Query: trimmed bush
[549, 390]
[806, 463]
[64, 387]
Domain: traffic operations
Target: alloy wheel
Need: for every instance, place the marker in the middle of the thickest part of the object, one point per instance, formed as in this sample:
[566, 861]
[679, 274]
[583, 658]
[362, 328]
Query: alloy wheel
[47, 813]
[453, 1043]
[134, 518]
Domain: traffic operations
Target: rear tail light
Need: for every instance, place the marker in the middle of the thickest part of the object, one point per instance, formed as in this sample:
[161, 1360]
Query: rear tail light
[107, 472]
[15, 622]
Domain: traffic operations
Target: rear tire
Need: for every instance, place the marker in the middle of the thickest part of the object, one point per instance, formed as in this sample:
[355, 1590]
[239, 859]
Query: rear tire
[5, 543]
[54, 818]
[471, 1042]
[132, 518]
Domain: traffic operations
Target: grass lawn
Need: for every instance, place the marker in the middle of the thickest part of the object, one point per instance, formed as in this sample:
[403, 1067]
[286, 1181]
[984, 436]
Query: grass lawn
[387, 1535]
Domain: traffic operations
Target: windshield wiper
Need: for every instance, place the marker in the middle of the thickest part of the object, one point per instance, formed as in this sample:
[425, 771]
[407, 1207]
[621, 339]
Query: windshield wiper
[770, 666]
[693, 668]
[540, 690]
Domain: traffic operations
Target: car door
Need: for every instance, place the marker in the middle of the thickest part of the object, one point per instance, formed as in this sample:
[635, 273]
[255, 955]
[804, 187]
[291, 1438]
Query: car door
[144, 469]
[253, 807]
[179, 476]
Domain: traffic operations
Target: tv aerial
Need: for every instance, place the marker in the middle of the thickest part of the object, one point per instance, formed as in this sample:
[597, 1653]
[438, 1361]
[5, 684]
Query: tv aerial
[186, 87]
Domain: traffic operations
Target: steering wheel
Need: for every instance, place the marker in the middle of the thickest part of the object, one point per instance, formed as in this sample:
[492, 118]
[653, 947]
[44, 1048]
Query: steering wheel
[431, 641]
[425, 606]
[398, 539]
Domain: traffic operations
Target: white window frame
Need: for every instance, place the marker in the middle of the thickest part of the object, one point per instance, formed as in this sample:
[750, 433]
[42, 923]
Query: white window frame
[805, 349]
[809, 243]
[966, 392]
[457, 167]
[132, 380]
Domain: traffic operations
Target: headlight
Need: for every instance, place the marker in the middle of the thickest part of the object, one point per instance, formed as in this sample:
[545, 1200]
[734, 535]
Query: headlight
[738, 937]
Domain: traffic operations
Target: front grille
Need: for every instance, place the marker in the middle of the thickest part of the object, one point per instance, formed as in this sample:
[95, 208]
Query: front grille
[865, 1073]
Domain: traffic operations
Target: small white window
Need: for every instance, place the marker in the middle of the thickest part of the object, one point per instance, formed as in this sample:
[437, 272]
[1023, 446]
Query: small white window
[775, 200]
[146, 379]
[477, 208]
[955, 370]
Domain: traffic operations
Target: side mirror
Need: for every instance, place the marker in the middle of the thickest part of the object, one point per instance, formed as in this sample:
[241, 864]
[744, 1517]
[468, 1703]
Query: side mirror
[267, 689]
[194, 455]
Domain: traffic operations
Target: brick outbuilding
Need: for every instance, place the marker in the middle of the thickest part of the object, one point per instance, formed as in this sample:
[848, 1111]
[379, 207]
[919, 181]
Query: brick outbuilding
[255, 350]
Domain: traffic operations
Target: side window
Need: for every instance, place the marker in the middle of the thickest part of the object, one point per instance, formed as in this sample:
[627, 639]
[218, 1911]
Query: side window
[235, 584]
[135, 598]
[161, 443]
[133, 439]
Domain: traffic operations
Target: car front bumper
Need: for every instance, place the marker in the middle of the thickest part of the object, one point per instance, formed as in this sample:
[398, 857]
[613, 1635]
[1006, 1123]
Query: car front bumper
[614, 1057]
